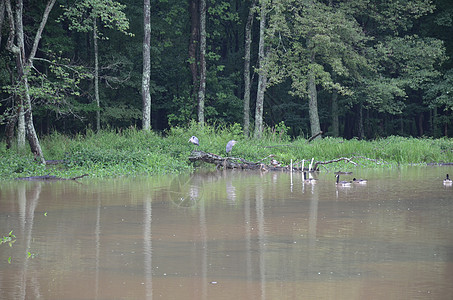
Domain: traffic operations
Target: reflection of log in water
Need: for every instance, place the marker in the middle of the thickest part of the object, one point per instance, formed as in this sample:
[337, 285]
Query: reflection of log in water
[186, 190]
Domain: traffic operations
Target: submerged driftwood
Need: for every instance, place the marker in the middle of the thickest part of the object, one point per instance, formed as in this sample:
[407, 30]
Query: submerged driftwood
[49, 178]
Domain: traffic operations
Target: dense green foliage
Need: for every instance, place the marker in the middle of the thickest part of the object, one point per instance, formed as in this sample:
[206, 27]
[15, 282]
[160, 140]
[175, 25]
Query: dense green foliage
[389, 62]
[133, 152]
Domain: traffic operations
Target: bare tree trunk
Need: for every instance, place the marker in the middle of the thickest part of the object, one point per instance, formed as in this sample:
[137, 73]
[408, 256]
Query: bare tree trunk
[193, 47]
[262, 78]
[16, 34]
[23, 67]
[248, 42]
[313, 105]
[9, 131]
[335, 121]
[20, 124]
[146, 96]
[202, 89]
[96, 75]
[2, 17]
[420, 120]
[30, 128]
[360, 130]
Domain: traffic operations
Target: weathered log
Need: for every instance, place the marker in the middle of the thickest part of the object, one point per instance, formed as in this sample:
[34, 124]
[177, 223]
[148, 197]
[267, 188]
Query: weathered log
[49, 178]
[56, 162]
[237, 163]
[225, 162]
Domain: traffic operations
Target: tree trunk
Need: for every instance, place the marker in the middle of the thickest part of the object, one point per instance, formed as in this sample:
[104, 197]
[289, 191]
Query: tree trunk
[248, 42]
[30, 128]
[96, 75]
[193, 60]
[146, 96]
[2, 17]
[202, 89]
[360, 130]
[20, 124]
[434, 123]
[20, 63]
[23, 67]
[420, 124]
[313, 105]
[335, 121]
[9, 130]
[262, 77]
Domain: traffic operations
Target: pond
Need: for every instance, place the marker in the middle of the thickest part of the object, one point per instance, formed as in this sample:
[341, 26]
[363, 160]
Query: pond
[230, 235]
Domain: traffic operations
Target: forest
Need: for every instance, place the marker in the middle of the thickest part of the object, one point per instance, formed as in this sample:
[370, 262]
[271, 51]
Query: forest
[352, 69]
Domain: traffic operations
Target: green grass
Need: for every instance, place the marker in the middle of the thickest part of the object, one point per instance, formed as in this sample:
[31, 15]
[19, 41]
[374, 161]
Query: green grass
[134, 152]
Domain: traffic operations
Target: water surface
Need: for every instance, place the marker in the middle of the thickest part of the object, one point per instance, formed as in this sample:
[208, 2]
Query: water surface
[230, 235]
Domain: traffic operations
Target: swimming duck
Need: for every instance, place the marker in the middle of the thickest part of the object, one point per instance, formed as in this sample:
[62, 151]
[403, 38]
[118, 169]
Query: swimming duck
[342, 183]
[359, 181]
[448, 181]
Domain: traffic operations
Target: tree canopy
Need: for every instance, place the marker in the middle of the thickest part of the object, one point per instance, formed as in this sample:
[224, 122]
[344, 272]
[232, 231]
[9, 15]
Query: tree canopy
[373, 68]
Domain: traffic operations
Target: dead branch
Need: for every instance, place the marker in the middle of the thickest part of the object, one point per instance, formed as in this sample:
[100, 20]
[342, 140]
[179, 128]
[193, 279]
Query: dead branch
[332, 161]
[315, 136]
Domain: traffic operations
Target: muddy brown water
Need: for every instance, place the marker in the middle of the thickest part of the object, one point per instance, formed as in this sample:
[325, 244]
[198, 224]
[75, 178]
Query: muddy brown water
[230, 235]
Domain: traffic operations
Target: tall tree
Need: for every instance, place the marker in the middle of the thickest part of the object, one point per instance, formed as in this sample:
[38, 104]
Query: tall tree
[24, 64]
[17, 102]
[315, 46]
[262, 73]
[247, 50]
[193, 49]
[202, 88]
[146, 76]
[2, 18]
[83, 17]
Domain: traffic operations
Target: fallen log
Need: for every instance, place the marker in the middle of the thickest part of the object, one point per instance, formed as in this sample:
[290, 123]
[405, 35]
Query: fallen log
[225, 162]
[238, 163]
[49, 178]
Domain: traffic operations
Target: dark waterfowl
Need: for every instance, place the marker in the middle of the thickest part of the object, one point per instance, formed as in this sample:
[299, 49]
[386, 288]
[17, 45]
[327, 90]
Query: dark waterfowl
[342, 183]
[309, 180]
[448, 181]
[359, 181]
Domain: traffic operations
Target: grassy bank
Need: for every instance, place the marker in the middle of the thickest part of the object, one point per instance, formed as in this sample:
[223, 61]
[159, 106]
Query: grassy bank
[134, 152]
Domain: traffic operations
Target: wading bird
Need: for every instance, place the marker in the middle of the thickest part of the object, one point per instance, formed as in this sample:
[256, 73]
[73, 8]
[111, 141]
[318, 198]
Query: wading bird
[448, 181]
[342, 183]
[194, 140]
[230, 145]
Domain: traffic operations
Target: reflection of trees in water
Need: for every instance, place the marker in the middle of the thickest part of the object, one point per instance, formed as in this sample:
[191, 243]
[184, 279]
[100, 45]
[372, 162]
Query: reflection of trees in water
[26, 281]
[147, 247]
